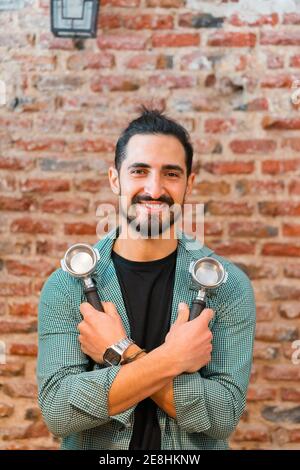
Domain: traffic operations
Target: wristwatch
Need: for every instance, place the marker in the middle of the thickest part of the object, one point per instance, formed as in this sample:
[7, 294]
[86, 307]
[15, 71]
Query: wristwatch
[114, 354]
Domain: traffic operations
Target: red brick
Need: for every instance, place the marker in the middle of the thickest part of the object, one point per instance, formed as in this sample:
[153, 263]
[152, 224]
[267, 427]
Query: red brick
[15, 288]
[121, 41]
[275, 167]
[280, 38]
[258, 104]
[281, 124]
[295, 61]
[20, 389]
[291, 142]
[278, 81]
[252, 229]
[19, 349]
[48, 41]
[253, 146]
[292, 270]
[31, 63]
[29, 268]
[207, 146]
[23, 309]
[149, 62]
[7, 326]
[110, 21]
[91, 145]
[275, 332]
[23, 203]
[36, 430]
[261, 393]
[80, 229]
[281, 372]
[40, 145]
[289, 311]
[282, 292]
[231, 249]
[294, 435]
[259, 187]
[175, 40]
[253, 432]
[264, 312]
[259, 270]
[44, 185]
[11, 369]
[215, 126]
[294, 187]
[271, 19]
[89, 60]
[279, 208]
[232, 39]
[291, 18]
[60, 206]
[6, 410]
[165, 3]
[172, 81]
[148, 21]
[14, 164]
[291, 230]
[290, 394]
[229, 208]
[115, 83]
[29, 225]
[208, 188]
[280, 249]
[229, 168]
[211, 228]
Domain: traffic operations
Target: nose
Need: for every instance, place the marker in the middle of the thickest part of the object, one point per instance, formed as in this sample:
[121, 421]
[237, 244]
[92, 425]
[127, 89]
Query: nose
[153, 186]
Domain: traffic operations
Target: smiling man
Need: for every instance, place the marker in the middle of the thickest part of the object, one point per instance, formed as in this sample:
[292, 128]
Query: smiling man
[140, 375]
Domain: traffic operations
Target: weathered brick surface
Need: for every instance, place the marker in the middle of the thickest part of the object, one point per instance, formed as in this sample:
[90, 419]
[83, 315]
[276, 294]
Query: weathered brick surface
[231, 76]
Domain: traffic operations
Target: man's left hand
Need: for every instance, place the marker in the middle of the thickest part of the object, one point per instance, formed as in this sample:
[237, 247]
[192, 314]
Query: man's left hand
[99, 330]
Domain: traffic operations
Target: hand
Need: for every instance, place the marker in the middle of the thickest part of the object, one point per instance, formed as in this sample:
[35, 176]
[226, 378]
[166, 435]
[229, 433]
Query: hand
[99, 330]
[190, 341]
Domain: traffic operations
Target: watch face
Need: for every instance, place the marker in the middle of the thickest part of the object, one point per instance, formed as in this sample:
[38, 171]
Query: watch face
[111, 357]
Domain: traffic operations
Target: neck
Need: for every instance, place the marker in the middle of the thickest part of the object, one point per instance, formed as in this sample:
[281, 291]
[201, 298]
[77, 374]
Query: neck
[145, 249]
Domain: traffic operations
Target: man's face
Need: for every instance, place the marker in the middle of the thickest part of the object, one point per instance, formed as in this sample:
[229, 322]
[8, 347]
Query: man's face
[153, 178]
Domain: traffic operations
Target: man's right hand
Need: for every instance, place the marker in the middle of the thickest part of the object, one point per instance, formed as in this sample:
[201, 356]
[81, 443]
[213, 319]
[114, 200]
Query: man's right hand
[190, 341]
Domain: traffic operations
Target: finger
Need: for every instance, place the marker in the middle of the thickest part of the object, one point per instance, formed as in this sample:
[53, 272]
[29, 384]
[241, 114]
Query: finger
[110, 308]
[206, 316]
[87, 310]
[183, 313]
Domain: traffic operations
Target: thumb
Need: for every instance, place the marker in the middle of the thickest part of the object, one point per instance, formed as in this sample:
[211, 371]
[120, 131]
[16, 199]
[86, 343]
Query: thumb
[206, 315]
[183, 313]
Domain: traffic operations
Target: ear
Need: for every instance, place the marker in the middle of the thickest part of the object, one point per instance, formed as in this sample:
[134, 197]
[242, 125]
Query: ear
[190, 183]
[114, 180]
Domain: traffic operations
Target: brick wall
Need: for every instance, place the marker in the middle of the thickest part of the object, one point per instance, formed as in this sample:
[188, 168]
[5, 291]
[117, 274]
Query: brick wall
[227, 71]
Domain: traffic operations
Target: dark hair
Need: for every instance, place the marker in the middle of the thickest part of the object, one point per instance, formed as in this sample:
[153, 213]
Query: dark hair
[152, 121]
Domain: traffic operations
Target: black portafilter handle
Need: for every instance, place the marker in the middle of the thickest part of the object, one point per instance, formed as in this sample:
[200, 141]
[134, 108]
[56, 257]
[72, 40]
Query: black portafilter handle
[93, 298]
[197, 306]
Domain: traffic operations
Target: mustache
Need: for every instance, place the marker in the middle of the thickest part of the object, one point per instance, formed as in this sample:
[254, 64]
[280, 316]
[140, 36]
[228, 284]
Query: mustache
[162, 199]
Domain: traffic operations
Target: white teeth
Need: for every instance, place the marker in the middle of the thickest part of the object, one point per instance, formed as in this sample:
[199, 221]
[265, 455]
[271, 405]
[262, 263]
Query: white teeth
[152, 206]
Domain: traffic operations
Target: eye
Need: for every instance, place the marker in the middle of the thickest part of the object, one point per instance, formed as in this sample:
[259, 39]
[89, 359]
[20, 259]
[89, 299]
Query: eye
[171, 174]
[138, 172]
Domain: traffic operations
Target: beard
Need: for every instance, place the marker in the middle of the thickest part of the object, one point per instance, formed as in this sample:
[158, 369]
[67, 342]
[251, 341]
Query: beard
[152, 225]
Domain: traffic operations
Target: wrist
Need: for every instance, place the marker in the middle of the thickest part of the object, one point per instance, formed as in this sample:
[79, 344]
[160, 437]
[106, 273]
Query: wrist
[133, 350]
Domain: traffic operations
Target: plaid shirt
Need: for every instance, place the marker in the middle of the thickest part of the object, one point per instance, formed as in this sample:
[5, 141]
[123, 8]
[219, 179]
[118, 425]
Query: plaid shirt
[209, 403]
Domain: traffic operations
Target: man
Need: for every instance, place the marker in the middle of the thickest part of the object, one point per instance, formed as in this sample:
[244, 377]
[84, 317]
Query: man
[181, 384]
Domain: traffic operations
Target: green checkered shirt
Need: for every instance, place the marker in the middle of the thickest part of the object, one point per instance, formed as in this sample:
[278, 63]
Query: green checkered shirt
[209, 403]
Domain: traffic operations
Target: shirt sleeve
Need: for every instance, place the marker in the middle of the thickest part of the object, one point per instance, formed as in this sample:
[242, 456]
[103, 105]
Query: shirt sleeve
[71, 398]
[212, 400]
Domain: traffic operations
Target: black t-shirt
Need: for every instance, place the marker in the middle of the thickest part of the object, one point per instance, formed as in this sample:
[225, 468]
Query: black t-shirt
[147, 289]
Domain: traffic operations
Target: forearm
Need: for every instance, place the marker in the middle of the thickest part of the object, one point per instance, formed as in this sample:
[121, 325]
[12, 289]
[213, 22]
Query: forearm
[164, 397]
[141, 379]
